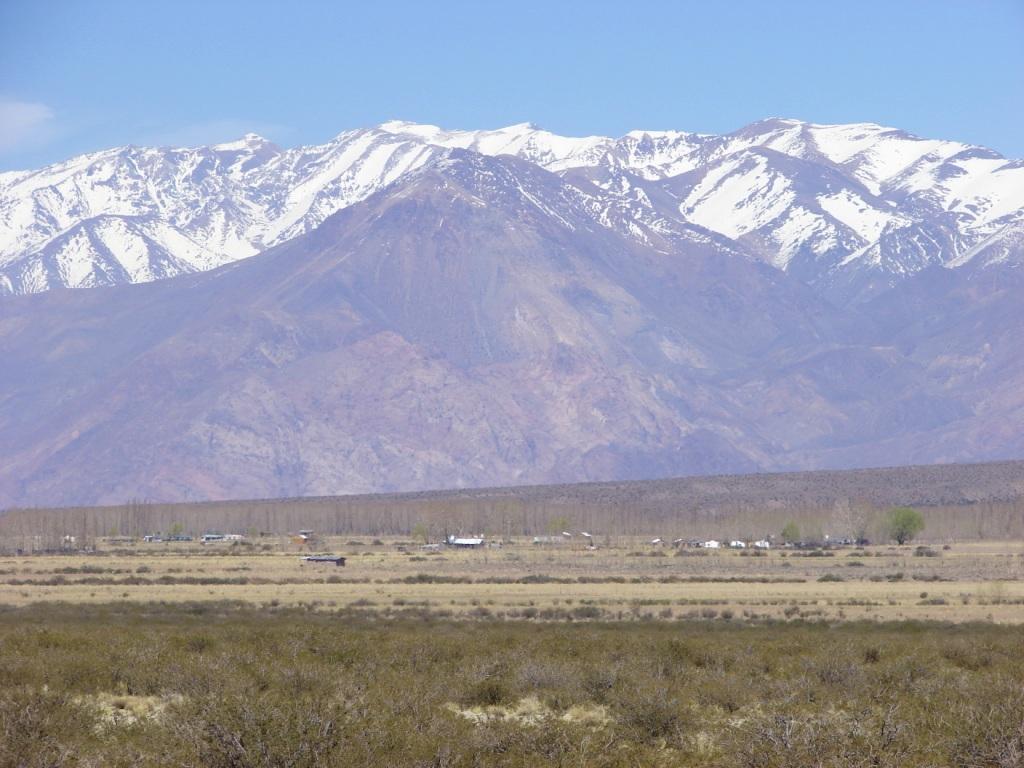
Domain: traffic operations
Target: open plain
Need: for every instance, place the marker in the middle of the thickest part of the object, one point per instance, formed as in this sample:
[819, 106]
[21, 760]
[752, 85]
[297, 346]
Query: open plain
[539, 644]
[624, 579]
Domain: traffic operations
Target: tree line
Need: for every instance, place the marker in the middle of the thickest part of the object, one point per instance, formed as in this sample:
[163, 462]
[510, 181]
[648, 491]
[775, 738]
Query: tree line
[508, 515]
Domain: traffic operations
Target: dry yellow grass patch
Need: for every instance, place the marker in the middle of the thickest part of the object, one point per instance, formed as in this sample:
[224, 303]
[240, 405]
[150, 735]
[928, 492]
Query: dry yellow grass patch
[981, 581]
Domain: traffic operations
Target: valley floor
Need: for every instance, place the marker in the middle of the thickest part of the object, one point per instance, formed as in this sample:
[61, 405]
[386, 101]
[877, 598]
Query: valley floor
[244, 654]
[627, 579]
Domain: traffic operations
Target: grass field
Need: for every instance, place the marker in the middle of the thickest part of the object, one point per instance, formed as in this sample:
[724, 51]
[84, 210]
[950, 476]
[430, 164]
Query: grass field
[978, 581]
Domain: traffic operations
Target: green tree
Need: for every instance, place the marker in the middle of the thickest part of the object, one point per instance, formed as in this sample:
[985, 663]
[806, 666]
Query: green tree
[420, 531]
[791, 532]
[558, 524]
[903, 524]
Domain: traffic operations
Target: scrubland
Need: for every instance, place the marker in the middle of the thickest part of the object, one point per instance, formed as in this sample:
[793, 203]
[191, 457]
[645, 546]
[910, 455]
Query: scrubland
[215, 684]
[242, 654]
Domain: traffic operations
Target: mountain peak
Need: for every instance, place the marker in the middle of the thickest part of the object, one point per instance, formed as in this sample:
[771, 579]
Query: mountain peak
[464, 138]
[405, 126]
[527, 126]
[248, 141]
[819, 192]
[772, 124]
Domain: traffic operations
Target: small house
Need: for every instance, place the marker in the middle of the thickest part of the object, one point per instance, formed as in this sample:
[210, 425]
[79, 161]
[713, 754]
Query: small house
[465, 542]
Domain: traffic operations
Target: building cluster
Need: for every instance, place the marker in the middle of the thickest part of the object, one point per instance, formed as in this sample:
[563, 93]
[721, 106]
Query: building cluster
[765, 543]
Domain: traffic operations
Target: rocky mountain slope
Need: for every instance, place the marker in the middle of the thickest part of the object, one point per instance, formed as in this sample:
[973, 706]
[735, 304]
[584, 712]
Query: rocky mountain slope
[506, 310]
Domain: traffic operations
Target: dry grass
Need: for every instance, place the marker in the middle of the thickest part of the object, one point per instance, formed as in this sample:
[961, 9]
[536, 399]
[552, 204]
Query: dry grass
[982, 581]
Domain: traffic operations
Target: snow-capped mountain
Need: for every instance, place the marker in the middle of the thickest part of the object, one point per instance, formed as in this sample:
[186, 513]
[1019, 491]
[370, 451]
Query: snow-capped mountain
[852, 209]
[484, 320]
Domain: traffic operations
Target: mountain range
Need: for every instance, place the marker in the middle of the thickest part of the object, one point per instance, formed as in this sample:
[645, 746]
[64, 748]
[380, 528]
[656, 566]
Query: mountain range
[406, 307]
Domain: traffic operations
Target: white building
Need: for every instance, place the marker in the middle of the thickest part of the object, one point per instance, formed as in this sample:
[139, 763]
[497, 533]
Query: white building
[470, 542]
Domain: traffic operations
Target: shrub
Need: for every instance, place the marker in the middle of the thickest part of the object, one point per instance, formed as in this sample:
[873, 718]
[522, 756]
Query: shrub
[240, 729]
[655, 717]
[40, 729]
[990, 732]
[587, 612]
[489, 692]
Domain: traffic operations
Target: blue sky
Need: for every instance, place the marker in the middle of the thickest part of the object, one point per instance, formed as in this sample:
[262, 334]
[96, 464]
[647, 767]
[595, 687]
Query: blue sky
[79, 75]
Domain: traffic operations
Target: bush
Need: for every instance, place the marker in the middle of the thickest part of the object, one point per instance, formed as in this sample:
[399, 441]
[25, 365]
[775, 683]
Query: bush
[872, 738]
[238, 730]
[41, 729]
[489, 692]
[587, 612]
[990, 732]
[648, 718]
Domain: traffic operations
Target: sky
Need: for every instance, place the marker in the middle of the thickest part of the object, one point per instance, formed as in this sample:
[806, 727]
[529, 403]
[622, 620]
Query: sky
[82, 75]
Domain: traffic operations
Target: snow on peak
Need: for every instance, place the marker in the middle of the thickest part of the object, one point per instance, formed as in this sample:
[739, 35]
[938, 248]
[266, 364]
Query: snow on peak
[422, 130]
[248, 141]
[738, 196]
[663, 135]
[822, 188]
[524, 140]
